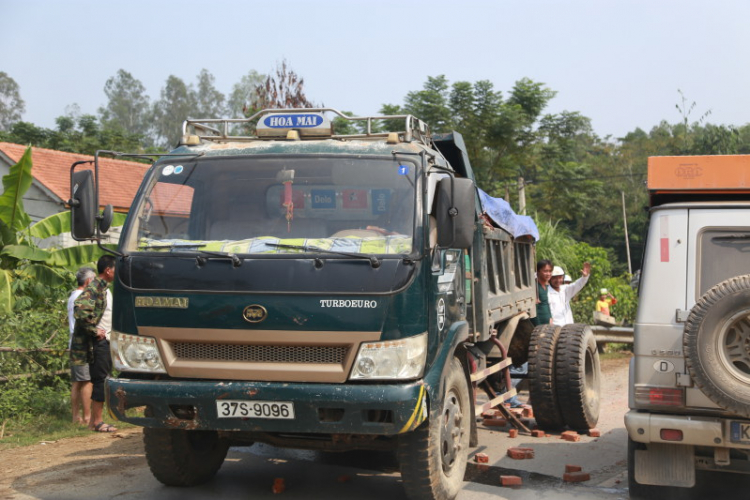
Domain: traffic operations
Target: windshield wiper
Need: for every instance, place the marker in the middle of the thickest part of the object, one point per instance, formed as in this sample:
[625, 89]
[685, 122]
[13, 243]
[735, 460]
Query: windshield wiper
[374, 261]
[236, 261]
[172, 245]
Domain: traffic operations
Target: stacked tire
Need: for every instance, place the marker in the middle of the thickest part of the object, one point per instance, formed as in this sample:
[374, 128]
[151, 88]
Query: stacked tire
[564, 377]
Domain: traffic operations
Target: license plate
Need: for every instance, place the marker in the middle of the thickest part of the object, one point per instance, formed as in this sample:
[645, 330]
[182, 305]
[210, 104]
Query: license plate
[228, 408]
[739, 432]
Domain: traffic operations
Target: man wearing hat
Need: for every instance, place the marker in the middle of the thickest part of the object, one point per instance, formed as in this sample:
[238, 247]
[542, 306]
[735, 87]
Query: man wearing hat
[560, 294]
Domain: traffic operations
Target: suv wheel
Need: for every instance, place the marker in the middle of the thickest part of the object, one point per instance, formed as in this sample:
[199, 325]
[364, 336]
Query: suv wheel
[717, 344]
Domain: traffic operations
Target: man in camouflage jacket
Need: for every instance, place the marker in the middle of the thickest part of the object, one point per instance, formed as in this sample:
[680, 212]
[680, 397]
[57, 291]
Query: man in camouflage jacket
[89, 343]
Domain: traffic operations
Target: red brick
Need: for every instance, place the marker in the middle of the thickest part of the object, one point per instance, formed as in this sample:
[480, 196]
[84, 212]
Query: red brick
[576, 477]
[527, 413]
[573, 468]
[510, 481]
[572, 436]
[344, 479]
[521, 453]
[278, 485]
[537, 433]
[512, 433]
[481, 458]
[495, 422]
[595, 433]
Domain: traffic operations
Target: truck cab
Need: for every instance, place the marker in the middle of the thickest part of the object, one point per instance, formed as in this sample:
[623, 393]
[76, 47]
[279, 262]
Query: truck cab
[690, 375]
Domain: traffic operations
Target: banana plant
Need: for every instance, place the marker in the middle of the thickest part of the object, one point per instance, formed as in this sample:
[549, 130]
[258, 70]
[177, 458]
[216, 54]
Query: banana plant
[20, 257]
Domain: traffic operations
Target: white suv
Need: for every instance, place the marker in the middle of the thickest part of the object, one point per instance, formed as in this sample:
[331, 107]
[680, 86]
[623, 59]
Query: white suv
[690, 376]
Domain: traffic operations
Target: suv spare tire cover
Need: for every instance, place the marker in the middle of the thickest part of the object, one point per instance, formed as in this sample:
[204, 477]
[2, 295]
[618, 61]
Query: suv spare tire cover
[717, 344]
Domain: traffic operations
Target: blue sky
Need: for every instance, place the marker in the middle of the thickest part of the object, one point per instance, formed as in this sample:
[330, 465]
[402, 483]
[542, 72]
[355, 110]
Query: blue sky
[619, 62]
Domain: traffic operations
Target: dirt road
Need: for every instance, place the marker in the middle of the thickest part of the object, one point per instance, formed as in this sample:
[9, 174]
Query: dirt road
[113, 465]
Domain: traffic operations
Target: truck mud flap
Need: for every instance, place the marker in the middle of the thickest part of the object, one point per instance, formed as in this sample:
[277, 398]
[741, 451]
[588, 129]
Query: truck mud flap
[666, 464]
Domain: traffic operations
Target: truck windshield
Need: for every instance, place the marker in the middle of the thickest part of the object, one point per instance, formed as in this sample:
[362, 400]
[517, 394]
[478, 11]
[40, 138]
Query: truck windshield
[273, 205]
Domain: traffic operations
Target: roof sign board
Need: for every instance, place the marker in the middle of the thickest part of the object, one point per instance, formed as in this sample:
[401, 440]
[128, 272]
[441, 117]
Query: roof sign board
[307, 124]
[699, 173]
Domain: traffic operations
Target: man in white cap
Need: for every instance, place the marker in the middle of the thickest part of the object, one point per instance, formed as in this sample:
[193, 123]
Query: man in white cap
[560, 295]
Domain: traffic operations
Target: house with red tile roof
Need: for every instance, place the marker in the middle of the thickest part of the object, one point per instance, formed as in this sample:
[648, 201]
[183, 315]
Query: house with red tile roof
[50, 189]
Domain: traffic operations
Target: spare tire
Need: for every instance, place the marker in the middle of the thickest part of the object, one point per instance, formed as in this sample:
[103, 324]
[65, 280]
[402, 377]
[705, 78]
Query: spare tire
[717, 344]
[577, 375]
[542, 393]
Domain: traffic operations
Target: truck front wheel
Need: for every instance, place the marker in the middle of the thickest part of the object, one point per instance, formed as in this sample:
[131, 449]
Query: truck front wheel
[183, 458]
[433, 458]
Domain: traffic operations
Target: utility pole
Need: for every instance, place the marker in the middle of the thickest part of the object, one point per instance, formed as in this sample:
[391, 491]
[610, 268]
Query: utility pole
[625, 223]
[521, 196]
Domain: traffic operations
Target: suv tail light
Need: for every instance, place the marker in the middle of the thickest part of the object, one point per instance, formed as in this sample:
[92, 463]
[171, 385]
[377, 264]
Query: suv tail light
[659, 396]
[670, 434]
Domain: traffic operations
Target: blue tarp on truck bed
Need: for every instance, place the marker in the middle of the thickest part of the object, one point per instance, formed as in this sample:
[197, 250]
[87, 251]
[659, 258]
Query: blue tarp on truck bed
[501, 214]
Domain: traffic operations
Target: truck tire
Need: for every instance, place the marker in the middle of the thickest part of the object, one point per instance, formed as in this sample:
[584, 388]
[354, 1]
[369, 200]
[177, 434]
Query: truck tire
[433, 458]
[183, 458]
[577, 376]
[542, 382]
[716, 343]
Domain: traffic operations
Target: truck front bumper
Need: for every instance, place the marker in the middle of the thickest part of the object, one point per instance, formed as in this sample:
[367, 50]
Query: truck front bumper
[382, 409]
[697, 431]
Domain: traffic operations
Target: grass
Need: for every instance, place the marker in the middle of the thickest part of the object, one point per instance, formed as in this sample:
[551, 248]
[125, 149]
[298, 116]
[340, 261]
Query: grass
[28, 431]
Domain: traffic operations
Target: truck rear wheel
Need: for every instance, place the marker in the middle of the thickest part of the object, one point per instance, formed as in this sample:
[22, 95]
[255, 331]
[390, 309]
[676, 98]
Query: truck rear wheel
[433, 457]
[578, 377]
[183, 458]
[542, 381]
[717, 344]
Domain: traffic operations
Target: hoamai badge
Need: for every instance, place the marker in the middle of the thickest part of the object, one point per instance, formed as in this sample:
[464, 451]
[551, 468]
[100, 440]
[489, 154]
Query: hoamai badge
[254, 313]
[170, 302]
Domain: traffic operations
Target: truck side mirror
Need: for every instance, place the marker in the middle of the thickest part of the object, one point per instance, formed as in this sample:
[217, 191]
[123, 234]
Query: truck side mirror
[455, 212]
[105, 220]
[82, 205]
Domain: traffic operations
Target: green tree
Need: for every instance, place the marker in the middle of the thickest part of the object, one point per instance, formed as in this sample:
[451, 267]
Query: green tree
[210, 103]
[11, 104]
[176, 104]
[128, 107]
[243, 94]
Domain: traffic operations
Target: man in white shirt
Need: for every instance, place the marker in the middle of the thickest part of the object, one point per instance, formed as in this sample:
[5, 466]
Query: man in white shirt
[80, 389]
[560, 295]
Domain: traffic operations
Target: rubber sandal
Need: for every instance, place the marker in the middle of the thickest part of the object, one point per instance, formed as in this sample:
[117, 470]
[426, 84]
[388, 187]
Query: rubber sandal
[102, 427]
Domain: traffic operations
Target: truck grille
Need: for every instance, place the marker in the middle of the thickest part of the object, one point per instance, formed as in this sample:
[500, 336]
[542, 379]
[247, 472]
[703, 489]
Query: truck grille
[259, 353]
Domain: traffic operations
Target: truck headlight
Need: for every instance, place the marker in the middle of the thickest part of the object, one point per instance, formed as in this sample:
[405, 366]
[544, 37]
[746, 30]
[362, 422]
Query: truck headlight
[391, 359]
[135, 353]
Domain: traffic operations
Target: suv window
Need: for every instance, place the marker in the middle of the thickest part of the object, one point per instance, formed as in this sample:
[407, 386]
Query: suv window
[724, 253]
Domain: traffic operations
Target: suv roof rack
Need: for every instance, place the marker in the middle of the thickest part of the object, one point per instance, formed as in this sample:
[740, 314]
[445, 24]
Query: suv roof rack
[218, 129]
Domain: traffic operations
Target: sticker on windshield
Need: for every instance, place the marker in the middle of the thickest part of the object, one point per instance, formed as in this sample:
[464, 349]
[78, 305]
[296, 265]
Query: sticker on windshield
[167, 170]
[178, 169]
[403, 170]
[381, 200]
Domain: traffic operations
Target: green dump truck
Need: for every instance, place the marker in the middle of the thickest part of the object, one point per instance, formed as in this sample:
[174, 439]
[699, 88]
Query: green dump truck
[311, 290]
